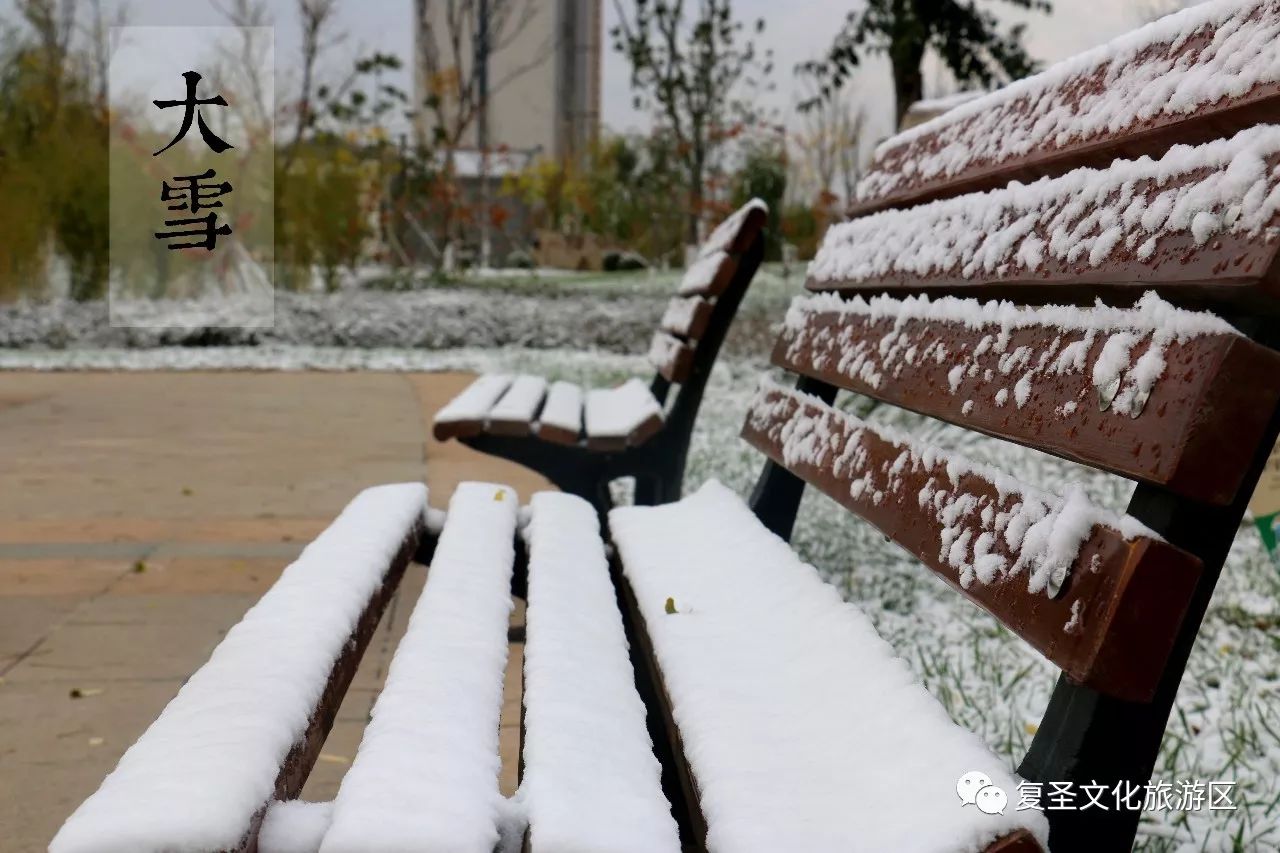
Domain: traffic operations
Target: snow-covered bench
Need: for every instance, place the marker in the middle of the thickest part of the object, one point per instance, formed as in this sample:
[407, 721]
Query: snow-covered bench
[583, 438]
[718, 694]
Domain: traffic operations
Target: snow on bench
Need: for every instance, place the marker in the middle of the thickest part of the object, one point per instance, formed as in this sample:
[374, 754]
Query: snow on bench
[1201, 215]
[561, 417]
[294, 826]
[621, 416]
[687, 317]
[425, 777]
[708, 276]
[591, 781]
[803, 729]
[1147, 392]
[203, 773]
[514, 413]
[1189, 77]
[1065, 575]
[671, 357]
[465, 414]
[737, 231]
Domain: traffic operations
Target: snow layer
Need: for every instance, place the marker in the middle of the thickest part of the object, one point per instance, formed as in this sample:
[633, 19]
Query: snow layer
[591, 782]
[1080, 219]
[618, 412]
[1152, 75]
[521, 401]
[294, 826]
[665, 350]
[726, 233]
[474, 403]
[1043, 533]
[1124, 371]
[698, 278]
[680, 314]
[209, 762]
[563, 409]
[425, 777]
[804, 729]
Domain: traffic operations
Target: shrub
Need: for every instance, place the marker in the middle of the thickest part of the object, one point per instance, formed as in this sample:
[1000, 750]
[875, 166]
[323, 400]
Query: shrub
[630, 261]
[519, 260]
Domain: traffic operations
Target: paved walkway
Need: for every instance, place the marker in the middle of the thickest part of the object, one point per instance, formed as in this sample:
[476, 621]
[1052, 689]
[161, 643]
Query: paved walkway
[140, 516]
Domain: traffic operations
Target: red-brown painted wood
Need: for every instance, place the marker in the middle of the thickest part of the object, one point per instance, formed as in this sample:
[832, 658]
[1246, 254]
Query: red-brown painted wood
[1116, 617]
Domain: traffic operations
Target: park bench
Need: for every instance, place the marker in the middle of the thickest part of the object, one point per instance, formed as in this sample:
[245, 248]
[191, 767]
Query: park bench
[582, 439]
[693, 684]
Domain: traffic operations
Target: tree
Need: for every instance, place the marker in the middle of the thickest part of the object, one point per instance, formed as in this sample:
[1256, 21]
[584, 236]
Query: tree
[829, 148]
[967, 40]
[689, 72]
[453, 47]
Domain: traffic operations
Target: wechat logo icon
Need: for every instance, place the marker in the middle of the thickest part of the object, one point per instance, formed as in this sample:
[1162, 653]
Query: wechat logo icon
[975, 789]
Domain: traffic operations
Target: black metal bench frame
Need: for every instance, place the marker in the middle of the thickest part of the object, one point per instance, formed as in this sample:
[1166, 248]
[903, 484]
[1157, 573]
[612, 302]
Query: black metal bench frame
[657, 464]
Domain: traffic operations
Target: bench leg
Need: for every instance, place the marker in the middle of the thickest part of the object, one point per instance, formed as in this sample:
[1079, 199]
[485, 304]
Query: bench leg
[1086, 737]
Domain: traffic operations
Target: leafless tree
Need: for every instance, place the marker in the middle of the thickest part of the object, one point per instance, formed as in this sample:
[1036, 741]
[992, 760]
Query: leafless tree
[830, 149]
[102, 44]
[446, 52]
[54, 24]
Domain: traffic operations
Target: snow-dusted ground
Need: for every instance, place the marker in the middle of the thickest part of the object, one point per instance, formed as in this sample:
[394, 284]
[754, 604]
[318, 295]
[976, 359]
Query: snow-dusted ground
[616, 313]
[1227, 722]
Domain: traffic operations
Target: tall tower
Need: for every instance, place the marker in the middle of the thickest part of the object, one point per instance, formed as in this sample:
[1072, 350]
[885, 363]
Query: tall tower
[544, 72]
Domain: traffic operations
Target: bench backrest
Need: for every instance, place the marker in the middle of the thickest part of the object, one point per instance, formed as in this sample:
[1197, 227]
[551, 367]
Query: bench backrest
[718, 277]
[1178, 400]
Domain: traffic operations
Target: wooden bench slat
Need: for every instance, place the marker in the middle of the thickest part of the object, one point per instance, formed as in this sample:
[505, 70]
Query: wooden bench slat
[1123, 594]
[620, 417]
[1204, 221]
[425, 776]
[516, 411]
[1185, 380]
[561, 418]
[802, 729]
[1204, 73]
[590, 781]
[671, 357]
[708, 276]
[465, 414]
[247, 726]
[736, 233]
[687, 318]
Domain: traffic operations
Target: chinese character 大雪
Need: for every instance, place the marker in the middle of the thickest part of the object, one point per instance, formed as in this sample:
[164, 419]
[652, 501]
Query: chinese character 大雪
[192, 105]
[206, 228]
[190, 194]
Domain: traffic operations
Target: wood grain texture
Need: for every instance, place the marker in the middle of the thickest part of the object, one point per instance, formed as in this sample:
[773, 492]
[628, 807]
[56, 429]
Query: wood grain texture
[1116, 617]
[891, 184]
[1213, 387]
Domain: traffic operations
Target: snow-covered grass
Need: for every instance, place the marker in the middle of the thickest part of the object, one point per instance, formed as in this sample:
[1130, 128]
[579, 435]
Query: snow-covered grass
[615, 312]
[1226, 725]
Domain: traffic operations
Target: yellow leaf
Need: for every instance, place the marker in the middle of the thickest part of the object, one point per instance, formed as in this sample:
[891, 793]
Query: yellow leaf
[671, 605]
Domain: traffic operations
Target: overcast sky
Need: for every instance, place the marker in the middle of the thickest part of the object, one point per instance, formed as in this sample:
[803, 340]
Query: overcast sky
[796, 30]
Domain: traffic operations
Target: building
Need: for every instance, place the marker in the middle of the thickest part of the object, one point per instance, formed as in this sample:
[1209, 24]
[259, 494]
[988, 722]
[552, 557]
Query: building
[544, 70]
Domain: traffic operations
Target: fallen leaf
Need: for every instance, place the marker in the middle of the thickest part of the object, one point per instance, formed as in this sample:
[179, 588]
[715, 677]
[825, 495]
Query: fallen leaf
[671, 605]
